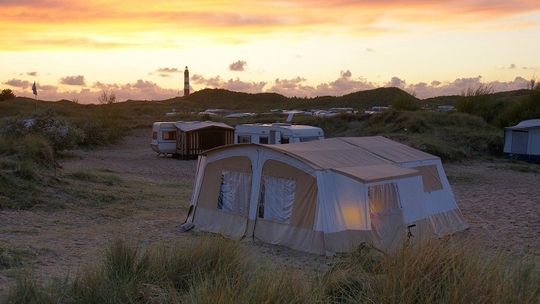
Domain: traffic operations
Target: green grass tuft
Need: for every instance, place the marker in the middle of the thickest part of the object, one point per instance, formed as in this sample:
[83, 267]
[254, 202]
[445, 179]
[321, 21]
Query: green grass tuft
[216, 270]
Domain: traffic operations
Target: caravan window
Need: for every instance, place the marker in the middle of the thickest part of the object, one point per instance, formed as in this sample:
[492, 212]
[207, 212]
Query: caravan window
[276, 198]
[168, 135]
[263, 140]
[234, 192]
[244, 139]
[308, 138]
[285, 140]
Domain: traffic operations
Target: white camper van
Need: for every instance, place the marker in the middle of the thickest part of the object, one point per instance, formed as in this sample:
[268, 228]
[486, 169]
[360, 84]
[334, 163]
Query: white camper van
[164, 137]
[276, 133]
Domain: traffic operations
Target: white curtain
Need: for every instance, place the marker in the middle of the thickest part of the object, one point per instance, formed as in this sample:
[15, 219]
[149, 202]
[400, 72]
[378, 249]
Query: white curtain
[234, 192]
[278, 198]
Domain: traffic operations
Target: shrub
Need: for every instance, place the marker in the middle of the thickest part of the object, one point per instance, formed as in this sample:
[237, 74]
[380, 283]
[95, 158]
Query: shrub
[435, 272]
[6, 94]
[209, 271]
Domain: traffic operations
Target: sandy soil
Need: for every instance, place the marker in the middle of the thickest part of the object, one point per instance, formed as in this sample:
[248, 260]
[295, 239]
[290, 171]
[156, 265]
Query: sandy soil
[501, 205]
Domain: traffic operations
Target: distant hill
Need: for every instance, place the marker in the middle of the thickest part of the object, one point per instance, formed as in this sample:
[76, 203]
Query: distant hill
[220, 98]
[508, 96]
[260, 102]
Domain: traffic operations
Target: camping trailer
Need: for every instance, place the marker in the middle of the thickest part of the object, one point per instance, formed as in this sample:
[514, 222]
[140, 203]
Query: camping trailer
[522, 141]
[324, 196]
[276, 133]
[164, 138]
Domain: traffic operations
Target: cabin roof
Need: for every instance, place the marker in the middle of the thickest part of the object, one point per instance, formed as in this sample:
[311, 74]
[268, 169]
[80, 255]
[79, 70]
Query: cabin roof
[188, 126]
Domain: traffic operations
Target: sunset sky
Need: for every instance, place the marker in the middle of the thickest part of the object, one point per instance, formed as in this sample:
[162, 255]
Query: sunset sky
[74, 49]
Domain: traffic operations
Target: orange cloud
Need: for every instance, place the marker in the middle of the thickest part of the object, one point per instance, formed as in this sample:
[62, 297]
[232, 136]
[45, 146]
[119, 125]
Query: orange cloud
[113, 24]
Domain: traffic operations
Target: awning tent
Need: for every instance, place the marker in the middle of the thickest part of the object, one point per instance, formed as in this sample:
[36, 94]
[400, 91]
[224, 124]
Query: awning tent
[324, 196]
[522, 141]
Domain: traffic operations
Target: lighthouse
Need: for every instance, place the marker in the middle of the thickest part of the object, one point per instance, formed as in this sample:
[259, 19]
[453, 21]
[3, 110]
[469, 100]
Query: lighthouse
[186, 82]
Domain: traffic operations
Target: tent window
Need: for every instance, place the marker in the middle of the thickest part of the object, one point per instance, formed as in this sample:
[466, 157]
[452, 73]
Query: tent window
[383, 198]
[430, 178]
[234, 192]
[276, 198]
[168, 135]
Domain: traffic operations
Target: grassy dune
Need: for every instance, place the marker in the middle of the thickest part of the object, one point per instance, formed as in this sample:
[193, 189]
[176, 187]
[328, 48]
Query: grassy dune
[216, 270]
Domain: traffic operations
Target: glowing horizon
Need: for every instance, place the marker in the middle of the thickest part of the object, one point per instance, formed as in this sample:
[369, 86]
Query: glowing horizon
[75, 48]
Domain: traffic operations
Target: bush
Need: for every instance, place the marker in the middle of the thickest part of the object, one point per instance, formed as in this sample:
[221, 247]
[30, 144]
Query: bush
[6, 94]
[60, 133]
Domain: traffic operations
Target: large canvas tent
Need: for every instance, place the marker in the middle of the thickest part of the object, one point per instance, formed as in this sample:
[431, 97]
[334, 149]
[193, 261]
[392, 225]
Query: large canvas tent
[522, 141]
[324, 196]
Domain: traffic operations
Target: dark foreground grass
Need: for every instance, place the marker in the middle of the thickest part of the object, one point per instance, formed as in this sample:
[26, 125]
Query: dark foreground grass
[215, 270]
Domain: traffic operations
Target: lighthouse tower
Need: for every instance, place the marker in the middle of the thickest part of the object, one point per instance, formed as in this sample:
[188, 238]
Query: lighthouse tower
[186, 82]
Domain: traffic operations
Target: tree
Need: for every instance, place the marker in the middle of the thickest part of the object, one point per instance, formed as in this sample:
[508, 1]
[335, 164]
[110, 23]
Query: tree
[6, 94]
[107, 97]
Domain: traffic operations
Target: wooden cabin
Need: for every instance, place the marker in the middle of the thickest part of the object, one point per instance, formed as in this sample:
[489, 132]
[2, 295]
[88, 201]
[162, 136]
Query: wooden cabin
[194, 137]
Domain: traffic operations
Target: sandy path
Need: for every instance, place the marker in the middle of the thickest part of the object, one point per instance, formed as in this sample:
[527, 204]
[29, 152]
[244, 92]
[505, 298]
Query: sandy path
[501, 206]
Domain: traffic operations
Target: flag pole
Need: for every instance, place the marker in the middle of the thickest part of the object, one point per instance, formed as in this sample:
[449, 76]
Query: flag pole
[34, 90]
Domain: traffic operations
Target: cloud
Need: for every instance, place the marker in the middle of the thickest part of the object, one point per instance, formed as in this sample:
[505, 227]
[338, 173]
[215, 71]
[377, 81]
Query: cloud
[346, 74]
[168, 70]
[396, 82]
[18, 83]
[238, 66]
[231, 84]
[73, 80]
[345, 84]
[31, 73]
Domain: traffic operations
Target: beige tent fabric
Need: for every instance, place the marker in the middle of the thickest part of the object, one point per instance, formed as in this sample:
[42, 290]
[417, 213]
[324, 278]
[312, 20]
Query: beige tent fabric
[296, 238]
[353, 151]
[305, 199]
[386, 215]
[448, 222]
[208, 197]
[388, 149]
[232, 225]
[377, 173]
[430, 178]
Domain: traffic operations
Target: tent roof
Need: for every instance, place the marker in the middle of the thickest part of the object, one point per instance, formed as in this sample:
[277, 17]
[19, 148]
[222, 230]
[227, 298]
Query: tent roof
[366, 158]
[187, 126]
[526, 124]
[371, 174]
[354, 151]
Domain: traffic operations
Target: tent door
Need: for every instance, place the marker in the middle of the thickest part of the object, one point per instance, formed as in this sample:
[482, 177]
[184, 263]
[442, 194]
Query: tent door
[520, 140]
[386, 215]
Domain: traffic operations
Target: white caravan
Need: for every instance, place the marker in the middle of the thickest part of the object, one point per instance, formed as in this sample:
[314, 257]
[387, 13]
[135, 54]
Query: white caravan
[276, 133]
[164, 137]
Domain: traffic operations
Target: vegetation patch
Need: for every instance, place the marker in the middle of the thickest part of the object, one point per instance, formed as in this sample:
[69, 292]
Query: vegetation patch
[96, 176]
[518, 167]
[10, 258]
[216, 270]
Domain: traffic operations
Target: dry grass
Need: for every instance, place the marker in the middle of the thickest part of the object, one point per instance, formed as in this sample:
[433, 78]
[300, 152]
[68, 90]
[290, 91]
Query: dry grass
[216, 270]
